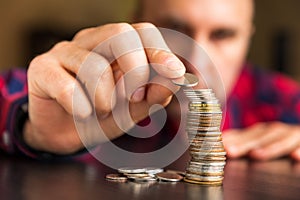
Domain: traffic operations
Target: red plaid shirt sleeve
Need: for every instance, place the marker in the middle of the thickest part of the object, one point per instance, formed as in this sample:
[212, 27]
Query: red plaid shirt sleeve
[14, 114]
[13, 102]
[262, 96]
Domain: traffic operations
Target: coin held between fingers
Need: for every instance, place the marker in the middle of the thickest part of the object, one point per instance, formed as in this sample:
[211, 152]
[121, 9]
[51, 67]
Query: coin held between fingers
[187, 80]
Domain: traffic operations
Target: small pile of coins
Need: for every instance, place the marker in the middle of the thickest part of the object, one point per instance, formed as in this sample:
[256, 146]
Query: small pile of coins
[148, 174]
[206, 147]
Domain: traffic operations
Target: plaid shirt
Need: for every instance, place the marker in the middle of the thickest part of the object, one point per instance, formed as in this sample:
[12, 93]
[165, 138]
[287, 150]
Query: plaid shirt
[261, 96]
[258, 96]
[13, 105]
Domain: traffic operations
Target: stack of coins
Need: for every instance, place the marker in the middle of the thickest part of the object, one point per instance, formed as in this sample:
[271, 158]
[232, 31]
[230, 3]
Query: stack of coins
[206, 147]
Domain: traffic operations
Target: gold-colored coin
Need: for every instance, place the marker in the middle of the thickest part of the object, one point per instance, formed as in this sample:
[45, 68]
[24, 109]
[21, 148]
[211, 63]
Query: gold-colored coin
[209, 183]
[167, 176]
[116, 177]
[182, 173]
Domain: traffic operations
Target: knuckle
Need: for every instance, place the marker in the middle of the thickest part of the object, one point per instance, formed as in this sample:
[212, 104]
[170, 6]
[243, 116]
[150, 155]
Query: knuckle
[61, 45]
[146, 25]
[83, 33]
[66, 91]
[37, 63]
[122, 27]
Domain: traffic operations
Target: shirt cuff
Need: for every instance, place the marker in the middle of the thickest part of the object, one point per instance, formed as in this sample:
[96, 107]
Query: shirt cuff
[17, 117]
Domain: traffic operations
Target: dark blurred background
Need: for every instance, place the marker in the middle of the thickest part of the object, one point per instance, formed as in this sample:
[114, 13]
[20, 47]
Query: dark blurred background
[31, 27]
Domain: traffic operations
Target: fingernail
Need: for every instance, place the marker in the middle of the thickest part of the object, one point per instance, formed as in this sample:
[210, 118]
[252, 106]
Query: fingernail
[138, 95]
[174, 65]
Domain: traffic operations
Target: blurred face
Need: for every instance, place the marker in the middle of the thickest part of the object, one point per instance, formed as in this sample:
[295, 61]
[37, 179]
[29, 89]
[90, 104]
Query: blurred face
[221, 27]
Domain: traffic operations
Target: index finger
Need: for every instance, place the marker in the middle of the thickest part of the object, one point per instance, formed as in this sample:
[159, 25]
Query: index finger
[121, 43]
[126, 44]
[158, 52]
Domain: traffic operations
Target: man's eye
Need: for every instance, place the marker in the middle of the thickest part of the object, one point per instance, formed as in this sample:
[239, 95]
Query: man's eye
[177, 26]
[222, 34]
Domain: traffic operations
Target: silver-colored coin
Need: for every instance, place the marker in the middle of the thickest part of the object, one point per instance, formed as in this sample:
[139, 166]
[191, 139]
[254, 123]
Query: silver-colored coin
[205, 171]
[205, 149]
[197, 139]
[204, 125]
[187, 80]
[212, 158]
[145, 180]
[131, 170]
[203, 129]
[204, 120]
[200, 155]
[141, 179]
[206, 110]
[203, 105]
[211, 163]
[201, 115]
[139, 175]
[167, 176]
[207, 143]
[206, 90]
[116, 177]
[153, 170]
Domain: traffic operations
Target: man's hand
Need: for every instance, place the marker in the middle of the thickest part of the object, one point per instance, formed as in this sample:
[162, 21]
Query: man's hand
[264, 141]
[52, 80]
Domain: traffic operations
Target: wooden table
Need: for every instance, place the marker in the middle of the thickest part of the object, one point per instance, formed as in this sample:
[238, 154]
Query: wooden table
[244, 179]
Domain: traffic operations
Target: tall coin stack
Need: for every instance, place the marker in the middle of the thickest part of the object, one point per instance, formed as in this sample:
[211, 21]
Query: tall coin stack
[206, 147]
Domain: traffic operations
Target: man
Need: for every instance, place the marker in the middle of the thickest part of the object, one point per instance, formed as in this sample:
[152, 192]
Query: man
[222, 27]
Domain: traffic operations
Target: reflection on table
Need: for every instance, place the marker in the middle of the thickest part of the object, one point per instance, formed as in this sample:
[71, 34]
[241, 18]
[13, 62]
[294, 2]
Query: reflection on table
[244, 179]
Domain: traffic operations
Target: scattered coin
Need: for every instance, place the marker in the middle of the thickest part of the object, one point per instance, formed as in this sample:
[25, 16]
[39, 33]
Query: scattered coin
[141, 179]
[167, 176]
[139, 175]
[148, 174]
[116, 177]
[131, 170]
[153, 170]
